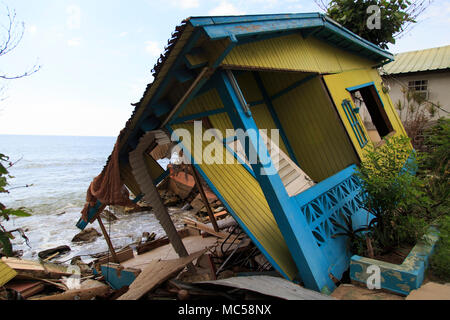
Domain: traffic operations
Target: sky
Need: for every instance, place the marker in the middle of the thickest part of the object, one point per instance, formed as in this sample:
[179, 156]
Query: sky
[96, 56]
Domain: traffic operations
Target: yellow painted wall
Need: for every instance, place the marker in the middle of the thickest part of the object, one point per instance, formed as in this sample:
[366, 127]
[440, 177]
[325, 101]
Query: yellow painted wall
[295, 53]
[338, 82]
[260, 112]
[207, 101]
[313, 128]
[6, 273]
[244, 195]
[211, 101]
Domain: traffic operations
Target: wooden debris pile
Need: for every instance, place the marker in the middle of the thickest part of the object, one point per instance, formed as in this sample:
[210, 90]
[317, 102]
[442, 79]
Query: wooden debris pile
[218, 249]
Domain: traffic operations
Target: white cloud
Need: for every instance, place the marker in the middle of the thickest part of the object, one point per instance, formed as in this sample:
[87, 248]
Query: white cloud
[75, 42]
[186, 4]
[123, 34]
[73, 17]
[153, 48]
[226, 8]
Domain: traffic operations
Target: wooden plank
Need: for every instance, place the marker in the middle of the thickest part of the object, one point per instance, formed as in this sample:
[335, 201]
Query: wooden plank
[156, 273]
[36, 269]
[82, 294]
[148, 246]
[122, 255]
[205, 199]
[26, 288]
[218, 215]
[203, 227]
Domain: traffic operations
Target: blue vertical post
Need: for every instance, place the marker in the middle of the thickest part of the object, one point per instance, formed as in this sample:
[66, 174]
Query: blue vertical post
[311, 262]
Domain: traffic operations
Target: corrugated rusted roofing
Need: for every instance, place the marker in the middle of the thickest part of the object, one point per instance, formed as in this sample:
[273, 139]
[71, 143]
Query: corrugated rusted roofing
[420, 60]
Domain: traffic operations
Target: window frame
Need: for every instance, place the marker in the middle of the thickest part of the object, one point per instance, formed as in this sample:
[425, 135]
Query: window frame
[381, 109]
[353, 119]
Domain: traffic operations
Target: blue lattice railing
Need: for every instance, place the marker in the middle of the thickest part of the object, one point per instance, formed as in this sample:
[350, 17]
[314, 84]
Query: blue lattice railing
[327, 201]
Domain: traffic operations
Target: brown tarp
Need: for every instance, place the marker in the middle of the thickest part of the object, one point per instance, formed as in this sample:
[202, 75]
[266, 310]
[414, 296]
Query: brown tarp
[108, 187]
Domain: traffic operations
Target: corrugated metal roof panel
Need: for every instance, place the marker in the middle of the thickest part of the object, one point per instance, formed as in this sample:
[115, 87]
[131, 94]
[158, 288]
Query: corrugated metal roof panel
[420, 60]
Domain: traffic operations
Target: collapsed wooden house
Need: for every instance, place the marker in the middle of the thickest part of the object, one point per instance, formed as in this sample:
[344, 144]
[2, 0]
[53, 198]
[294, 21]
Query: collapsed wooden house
[301, 74]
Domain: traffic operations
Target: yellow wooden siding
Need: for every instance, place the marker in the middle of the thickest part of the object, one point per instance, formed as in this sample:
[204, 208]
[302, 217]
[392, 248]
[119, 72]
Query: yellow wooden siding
[244, 195]
[221, 122]
[337, 85]
[275, 82]
[293, 52]
[207, 101]
[249, 87]
[260, 112]
[6, 273]
[264, 120]
[315, 133]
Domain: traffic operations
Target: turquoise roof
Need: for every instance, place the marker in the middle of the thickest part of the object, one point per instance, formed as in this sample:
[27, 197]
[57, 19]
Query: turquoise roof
[217, 27]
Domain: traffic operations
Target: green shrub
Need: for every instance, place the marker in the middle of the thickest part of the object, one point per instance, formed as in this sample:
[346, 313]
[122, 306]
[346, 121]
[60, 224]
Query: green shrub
[393, 194]
[440, 260]
[5, 213]
[435, 167]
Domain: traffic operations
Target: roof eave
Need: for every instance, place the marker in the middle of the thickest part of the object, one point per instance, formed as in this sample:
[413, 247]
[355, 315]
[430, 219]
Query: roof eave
[245, 26]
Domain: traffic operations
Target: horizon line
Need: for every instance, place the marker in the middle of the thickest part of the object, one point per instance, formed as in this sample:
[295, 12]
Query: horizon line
[53, 135]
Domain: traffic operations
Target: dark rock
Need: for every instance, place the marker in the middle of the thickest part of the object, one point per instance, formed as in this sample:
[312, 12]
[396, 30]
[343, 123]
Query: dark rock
[87, 235]
[49, 252]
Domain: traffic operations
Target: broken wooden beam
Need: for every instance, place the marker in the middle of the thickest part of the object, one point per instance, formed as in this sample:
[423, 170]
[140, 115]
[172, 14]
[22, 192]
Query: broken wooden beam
[122, 255]
[203, 227]
[148, 246]
[156, 273]
[81, 294]
[108, 240]
[26, 289]
[204, 198]
[35, 269]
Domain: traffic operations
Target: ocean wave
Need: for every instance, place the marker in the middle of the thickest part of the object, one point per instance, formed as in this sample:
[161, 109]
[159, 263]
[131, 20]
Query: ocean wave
[73, 163]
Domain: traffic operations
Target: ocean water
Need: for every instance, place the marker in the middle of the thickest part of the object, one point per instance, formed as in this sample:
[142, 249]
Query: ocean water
[59, 170]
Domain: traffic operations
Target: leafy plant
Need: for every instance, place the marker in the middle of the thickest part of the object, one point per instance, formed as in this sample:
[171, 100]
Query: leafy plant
[396, 17]
[393, 194]
[435, 168]
[440, 260]
[5, 213]
[356, 237]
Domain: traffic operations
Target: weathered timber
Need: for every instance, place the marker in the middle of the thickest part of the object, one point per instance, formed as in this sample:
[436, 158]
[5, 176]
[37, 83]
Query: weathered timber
[156, 273]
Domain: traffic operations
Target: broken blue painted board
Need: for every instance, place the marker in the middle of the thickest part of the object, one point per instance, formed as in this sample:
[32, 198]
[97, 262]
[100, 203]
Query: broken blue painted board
[118, 278]
[401, 278]
[81, 224]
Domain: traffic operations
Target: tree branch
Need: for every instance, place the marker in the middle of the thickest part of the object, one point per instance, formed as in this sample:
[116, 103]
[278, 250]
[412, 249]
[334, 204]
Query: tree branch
[12, 38]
